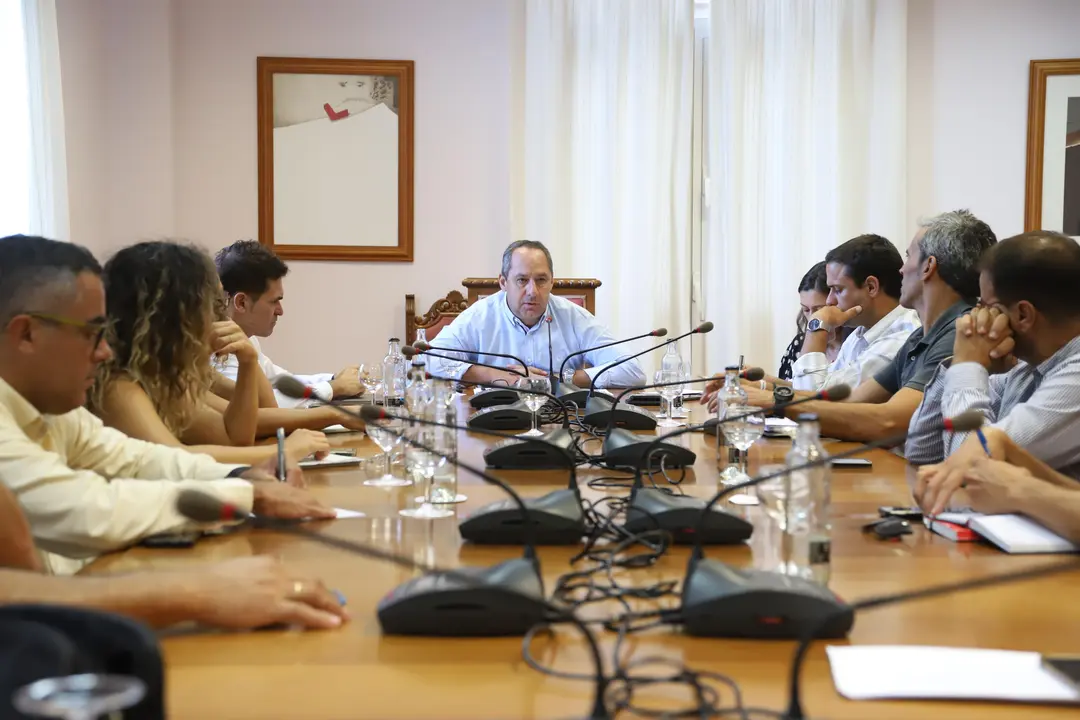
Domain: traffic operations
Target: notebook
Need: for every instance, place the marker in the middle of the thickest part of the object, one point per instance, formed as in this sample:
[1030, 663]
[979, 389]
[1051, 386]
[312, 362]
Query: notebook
[1012, 533]
[330, 460]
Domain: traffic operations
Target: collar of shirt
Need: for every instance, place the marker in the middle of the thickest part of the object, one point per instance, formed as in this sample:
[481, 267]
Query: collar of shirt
[943, 324]
[515, 321]
[25, 415]
[1066, 351]
[898, 315]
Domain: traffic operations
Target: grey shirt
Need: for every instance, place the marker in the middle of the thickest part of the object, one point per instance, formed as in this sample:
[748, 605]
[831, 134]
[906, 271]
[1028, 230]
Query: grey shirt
[924, 350]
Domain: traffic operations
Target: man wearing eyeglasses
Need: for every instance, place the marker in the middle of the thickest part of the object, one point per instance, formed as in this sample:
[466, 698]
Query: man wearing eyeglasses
[1027, 309]
[85, 488]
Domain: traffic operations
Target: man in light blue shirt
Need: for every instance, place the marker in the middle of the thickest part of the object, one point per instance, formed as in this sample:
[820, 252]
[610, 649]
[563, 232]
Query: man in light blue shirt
[513, 321]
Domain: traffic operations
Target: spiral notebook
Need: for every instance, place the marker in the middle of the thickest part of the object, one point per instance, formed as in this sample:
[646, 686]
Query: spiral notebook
[1015, 534]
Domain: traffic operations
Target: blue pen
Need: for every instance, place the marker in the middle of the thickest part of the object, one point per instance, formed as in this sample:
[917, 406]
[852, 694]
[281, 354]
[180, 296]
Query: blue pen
[340, 597]
[281, 454]
[982, 441]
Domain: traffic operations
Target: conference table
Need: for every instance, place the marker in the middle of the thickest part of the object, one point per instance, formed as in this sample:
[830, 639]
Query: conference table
[357, 672]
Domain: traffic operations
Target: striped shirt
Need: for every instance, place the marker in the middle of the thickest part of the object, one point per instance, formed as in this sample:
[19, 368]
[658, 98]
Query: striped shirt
[1038, 407]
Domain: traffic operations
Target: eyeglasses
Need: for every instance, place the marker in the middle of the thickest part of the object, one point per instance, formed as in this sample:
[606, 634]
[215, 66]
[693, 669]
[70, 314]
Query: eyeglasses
[90, 329]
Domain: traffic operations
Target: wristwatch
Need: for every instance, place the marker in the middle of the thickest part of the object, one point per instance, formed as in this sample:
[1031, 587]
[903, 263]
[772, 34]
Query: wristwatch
[815, 325]
[781, 394]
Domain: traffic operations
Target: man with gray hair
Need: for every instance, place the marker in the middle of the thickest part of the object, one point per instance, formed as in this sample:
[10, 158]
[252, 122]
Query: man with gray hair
[526, 320]
[940, 281]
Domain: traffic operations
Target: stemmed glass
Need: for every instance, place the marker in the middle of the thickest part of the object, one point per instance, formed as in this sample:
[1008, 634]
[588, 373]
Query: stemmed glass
[534, 402]
[669, 393]
[387, 435]
[371, 378]
[742, 425]
[427, 464]
[79, 697]
[679, 411]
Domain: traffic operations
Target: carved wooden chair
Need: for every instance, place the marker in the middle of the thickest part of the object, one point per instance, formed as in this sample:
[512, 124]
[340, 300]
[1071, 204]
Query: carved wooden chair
[442, 313]
[581, 291]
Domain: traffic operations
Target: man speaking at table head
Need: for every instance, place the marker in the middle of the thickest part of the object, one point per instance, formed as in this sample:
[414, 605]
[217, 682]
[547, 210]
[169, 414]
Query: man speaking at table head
[514, 321]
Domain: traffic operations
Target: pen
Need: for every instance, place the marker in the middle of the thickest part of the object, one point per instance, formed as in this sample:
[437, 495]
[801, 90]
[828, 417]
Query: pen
[982, 441]
[281, 454]
[340, 597]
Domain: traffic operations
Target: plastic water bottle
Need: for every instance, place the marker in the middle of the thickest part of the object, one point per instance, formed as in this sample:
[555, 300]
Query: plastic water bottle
[420, 404]
[445, 482]
[421, 337]
[727, 455]
[807, 497]
[394, 372]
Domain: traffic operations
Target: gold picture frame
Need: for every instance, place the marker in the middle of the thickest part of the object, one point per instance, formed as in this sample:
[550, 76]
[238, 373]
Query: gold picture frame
[1053, 147]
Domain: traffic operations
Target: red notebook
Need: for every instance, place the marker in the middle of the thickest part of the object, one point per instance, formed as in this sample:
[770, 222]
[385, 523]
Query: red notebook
[953, 531]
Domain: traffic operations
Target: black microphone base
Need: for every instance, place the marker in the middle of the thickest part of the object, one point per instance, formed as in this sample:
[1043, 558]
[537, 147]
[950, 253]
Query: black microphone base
[652, 509]
[720, 601]
[570, 393]
[624, 449]
[514, 454]
[508, 603]
[493, 396]
[503, 417]
[557, 519]
[598, 412]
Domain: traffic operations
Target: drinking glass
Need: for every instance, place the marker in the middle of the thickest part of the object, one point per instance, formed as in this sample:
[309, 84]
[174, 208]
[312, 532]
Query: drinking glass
[669, 393]
[663, 414]
[387, 435]
[534, 402]
[371, 377]
[742, 425]
[79, 697]
[427, 464]
[679, 409]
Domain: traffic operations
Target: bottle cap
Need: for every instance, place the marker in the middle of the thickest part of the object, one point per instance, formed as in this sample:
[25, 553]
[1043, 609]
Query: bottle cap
[395, 340]
[807, 417]
[730, 368]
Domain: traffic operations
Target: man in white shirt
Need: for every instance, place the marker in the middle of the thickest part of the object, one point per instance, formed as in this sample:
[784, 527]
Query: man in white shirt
[85, 488]
[864, 293]
[252, 276]
[509, 322]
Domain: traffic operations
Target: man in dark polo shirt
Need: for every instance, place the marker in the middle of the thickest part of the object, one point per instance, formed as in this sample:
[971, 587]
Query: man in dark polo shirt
[940, 281]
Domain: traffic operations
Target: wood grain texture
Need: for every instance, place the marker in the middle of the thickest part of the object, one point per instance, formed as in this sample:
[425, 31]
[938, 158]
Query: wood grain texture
[355, 672]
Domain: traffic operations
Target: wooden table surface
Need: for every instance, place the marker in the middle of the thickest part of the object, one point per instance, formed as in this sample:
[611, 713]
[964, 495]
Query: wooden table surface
[356, 672]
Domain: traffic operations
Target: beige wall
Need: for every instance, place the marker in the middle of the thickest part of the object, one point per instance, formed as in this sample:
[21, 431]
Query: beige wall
[167, 142]
[160, 98]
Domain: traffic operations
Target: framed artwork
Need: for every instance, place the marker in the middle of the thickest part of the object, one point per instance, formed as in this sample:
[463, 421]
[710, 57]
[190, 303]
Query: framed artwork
[336, 158]
[1052, 199]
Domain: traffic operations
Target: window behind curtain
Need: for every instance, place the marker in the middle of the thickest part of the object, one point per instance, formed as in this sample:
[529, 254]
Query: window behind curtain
[15, 177]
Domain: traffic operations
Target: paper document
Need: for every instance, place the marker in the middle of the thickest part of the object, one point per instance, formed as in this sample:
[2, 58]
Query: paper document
[331, 459]
[343, 514]
[333, 429]
[944, 673]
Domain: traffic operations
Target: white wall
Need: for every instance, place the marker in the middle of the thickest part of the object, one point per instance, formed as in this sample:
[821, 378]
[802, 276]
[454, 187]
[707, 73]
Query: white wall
[187, 166]
[967, 100]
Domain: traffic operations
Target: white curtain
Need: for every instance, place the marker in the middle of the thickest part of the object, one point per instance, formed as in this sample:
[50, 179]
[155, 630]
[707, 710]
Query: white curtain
[806, 149]
[608, 98]
[33, 190]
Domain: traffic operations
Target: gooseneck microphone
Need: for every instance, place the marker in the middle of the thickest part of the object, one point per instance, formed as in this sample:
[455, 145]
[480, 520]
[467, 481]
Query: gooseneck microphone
[425, 347]
[476, 383]
[795, 711]
[203, 508]
[496, 395]
[701, 329]
[659, 332]
[410, 352]
[720, 601]
[556, 518]
[552, 378]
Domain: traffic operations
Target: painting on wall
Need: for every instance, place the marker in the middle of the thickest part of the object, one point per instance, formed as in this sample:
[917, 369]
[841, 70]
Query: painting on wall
[1053, 147]
[335, 158]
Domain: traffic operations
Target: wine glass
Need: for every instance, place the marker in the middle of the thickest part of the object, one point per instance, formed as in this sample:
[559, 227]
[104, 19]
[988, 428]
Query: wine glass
[532, 401]
[427, 464]
[742, 425]
[79, 697]
[669, 393]
[371, 377]
[679, 409]
[663, 414]
[387, 435]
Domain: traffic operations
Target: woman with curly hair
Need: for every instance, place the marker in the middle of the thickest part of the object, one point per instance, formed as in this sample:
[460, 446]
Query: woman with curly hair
[164, 302]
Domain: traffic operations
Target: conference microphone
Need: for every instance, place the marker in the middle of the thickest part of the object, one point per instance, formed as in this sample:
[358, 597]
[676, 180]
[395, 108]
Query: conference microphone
[482, 399]
[498, 395]
[511, 453]
[581, 395]
[597, 409]
[794, 710]
[553, 519]
[688, 519]
[458, 592]
[721, 601]
[552, 378]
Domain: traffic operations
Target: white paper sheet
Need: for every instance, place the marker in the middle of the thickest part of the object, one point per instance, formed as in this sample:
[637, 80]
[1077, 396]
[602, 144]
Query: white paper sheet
[336, 429]
[343, 514]
[331, 459]
[944, 673]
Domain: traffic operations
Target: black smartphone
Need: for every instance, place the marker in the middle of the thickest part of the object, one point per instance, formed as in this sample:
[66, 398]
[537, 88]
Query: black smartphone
[907, 513]
[1066, 668]
[172, 540]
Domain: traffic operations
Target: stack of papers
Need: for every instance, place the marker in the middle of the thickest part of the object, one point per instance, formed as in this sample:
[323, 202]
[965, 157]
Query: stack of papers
[1011, 532]
[330, 460]
[944, 673]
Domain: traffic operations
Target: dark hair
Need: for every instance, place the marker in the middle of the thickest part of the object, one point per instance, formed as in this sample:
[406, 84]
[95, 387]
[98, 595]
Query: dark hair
[957, 240]
[162, 298]
[248, 267]
[870, 255]
[814, 280]
[33, 267]
[508, 254]
[1041, 267]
